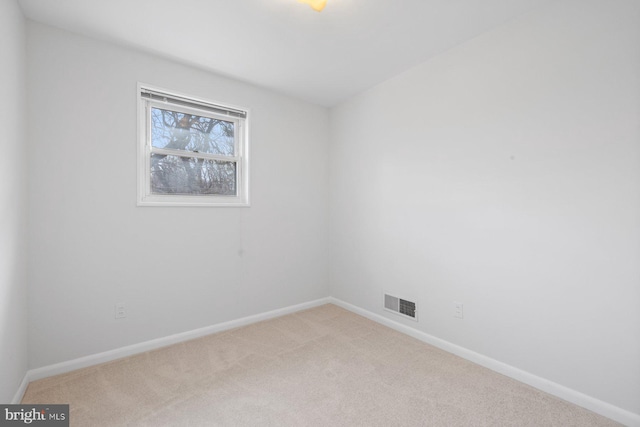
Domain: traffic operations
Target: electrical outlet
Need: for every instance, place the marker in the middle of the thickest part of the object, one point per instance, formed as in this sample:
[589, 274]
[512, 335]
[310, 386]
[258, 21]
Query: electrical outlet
[121, 312]
[457, 310]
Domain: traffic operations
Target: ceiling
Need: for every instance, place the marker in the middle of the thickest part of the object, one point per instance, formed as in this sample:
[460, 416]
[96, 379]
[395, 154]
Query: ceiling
[283, 45]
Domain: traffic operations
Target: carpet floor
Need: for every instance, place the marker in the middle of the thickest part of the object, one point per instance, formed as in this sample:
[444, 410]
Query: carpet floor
[320, 367]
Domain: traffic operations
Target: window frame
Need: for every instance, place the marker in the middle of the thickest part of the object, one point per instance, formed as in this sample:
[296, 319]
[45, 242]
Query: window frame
[145, 149]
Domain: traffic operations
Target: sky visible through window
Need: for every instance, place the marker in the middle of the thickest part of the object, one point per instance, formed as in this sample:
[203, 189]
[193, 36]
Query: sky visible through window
[175, 174]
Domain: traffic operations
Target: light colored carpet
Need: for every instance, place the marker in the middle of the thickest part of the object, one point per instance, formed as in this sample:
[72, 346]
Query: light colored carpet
[320, 367]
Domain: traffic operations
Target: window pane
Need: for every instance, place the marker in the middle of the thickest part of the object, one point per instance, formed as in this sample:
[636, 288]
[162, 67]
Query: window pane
[180, 131]
[191, 176]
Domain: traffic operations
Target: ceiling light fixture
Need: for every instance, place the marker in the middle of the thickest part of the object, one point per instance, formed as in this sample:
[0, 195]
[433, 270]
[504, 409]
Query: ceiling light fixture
[316, 5]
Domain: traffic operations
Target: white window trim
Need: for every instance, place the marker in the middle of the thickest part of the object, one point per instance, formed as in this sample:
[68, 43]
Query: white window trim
[145, 198]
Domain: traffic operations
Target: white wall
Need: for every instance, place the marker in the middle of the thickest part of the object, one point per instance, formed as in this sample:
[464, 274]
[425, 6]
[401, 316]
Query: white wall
[505, 174]
[176, 269]
[13, 208]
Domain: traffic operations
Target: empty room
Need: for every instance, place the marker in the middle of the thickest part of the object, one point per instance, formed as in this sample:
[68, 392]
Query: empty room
[320, 212]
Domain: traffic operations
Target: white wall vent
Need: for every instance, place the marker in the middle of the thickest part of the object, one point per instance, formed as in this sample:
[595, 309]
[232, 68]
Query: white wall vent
[401, 306]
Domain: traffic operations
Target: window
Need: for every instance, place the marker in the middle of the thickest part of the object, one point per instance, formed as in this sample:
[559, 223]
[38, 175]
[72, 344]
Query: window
[191, 152]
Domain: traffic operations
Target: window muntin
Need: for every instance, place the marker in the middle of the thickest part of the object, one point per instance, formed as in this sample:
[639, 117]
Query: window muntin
[192, 152]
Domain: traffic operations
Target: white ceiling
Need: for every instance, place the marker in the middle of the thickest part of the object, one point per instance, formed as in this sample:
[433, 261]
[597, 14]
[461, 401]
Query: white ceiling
[284, 45]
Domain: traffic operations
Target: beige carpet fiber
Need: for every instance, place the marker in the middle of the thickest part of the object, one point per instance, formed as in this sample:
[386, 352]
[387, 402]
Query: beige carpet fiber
[320, 367]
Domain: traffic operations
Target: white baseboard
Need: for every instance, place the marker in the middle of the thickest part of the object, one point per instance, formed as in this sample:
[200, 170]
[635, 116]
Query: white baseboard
[17, 398]
[598, 406]
[107, 356]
